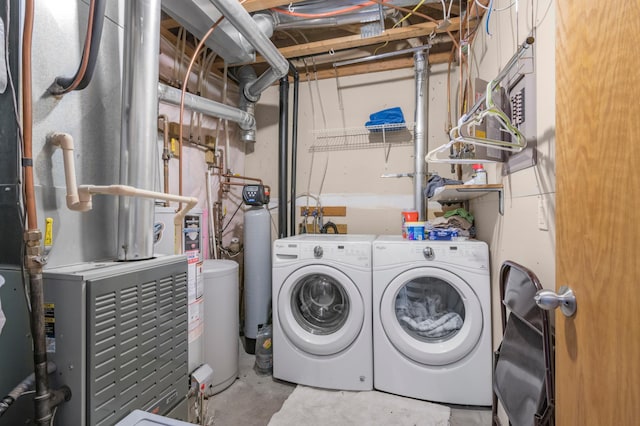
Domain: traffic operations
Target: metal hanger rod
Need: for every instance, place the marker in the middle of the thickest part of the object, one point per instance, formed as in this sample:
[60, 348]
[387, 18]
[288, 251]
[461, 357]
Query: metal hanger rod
[381, 56]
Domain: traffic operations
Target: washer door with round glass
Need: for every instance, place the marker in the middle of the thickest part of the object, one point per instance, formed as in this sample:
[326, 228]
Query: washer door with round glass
[320, 309]
[431, 316]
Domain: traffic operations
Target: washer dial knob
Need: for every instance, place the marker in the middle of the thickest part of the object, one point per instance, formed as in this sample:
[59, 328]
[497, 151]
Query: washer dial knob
[428, 253]
[317, 252]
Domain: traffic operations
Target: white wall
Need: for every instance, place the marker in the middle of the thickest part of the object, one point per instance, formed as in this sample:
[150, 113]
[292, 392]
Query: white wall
[517, 235]
[352, 176]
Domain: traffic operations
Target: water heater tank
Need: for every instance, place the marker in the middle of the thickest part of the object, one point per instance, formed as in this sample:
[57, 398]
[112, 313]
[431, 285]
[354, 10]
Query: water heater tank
[221, 321]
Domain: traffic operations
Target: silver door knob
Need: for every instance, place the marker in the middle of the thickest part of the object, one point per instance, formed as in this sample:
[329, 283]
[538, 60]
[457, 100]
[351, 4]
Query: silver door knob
[549, 300]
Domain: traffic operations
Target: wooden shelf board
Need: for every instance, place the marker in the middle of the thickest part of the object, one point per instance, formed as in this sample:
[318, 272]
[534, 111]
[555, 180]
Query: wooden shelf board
[326, 211]
[453, 193]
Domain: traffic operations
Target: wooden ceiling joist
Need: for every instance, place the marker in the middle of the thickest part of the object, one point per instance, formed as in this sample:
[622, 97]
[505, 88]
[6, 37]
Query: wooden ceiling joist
[350, 42]
[170, 23]
[389, 65]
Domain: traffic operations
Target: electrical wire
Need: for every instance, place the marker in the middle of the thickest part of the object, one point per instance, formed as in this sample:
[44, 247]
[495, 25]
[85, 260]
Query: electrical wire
[405, 17]
[53, 415]
[224, 228]
[488, 18]
[514, 3]
[421, 15]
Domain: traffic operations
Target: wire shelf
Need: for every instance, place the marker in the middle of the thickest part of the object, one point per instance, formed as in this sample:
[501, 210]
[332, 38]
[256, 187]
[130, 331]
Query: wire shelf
[379, 136]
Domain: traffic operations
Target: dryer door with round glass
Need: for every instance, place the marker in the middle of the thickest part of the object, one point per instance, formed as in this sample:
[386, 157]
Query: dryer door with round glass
[431, 316]
[320, 309]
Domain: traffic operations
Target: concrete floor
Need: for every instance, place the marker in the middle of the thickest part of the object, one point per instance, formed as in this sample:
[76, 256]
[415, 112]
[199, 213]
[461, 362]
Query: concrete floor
[252, 400]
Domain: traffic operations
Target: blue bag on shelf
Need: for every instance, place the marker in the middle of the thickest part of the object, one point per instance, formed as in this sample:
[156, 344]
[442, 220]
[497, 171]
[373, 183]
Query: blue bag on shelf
[390, 116]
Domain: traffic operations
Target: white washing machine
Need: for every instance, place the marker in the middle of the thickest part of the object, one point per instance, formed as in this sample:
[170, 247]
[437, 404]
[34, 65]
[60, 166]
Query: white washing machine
[432, 320]
[322, 311]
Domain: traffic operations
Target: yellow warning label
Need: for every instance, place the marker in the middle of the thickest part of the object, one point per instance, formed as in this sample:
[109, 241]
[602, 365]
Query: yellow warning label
[481, 134]
[48, 231]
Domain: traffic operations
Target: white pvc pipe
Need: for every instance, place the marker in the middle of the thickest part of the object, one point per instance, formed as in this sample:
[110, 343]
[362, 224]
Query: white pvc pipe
[79, 198]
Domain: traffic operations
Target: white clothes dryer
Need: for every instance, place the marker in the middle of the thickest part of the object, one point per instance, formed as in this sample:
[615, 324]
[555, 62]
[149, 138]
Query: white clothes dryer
[432, 320]
[322, 311]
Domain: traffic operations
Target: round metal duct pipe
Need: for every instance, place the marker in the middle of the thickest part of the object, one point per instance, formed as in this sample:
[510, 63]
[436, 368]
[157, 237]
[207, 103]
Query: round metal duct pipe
[139, 126]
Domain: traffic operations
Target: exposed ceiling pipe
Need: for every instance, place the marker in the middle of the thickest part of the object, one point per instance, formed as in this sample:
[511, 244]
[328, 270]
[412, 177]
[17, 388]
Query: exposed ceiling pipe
[253, 87]
[237, 47]
[283, 141]
[171, 95]
[246, 76]
[242, 21]
[420, 131]
[294, 149]
[351, 18]
[139, 126]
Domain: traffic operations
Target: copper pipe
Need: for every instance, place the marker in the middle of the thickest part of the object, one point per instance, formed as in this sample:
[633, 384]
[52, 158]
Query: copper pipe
[27, 117]
[86, 52]
[233, 183]
[165, 153]
[33, 236]
[228, 175]
[184, 91]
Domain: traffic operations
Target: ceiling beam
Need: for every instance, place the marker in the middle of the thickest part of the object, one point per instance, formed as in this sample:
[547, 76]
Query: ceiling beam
[455, 8]
[350, 42]
[256, 5]
[389, 65]
[170, 23]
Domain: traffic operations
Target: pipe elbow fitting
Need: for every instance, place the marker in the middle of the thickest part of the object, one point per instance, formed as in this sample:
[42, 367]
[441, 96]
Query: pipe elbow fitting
[83, 201]
[62, 140]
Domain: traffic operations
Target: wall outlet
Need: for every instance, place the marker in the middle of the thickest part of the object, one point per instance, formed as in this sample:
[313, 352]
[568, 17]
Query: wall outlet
[543, 210]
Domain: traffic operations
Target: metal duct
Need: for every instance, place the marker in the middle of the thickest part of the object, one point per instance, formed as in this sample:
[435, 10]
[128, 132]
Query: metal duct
[139, 126]
[197, 16]
[171, 95]
[310, 8]
[247, 75]
[346, 19]
[242, 21]
[420, 134]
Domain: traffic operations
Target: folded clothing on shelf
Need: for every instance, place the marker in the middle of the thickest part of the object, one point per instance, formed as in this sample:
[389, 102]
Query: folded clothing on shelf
[436, 182]
[386, 116]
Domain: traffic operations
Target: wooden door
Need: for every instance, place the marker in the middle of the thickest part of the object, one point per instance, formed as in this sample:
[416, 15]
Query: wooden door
[597, 213]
